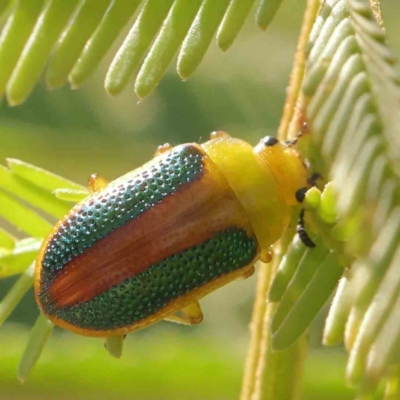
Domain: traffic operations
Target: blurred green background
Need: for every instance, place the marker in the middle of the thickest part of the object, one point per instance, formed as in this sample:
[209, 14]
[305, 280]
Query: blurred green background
[78, 133]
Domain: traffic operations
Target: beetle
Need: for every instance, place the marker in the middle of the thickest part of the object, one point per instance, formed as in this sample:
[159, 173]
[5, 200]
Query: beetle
[148, 245]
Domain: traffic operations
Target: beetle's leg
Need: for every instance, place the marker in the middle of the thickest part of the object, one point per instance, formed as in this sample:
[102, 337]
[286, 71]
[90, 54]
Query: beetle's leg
[301, 231]
[266, 255]
[163, 148]
[300, 228]
[192, 315]
[114, 345]
[249, 272]
[219, 135]
[96, 183]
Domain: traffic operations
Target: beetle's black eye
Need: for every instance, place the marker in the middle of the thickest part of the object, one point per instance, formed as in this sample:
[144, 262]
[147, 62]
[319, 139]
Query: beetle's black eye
[269, 141]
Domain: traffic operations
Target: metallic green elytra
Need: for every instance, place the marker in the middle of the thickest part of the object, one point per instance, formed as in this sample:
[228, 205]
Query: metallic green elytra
[145, 294]
[130, 196]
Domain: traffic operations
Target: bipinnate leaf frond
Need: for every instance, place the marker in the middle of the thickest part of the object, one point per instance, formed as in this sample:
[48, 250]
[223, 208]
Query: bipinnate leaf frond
[74, 36]
[351, 98]
[31, 201]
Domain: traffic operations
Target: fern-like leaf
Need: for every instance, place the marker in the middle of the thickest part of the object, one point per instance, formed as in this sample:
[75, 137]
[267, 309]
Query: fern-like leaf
[351, 97]
[76, 35]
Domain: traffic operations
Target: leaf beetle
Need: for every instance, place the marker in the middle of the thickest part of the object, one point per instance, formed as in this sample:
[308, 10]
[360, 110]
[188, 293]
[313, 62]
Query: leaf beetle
[148, 245]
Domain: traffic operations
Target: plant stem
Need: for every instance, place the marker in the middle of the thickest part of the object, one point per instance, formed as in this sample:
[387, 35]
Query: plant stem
[256, 351]
[296, 78]
[277, 375]
[270, 375]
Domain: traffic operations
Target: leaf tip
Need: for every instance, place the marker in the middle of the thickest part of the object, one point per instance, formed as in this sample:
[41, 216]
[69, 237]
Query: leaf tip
[113, 88]
[14, 101]
[224, 43]
[21, 378]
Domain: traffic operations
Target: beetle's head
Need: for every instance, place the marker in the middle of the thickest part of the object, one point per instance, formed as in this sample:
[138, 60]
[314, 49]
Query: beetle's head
[286, 165]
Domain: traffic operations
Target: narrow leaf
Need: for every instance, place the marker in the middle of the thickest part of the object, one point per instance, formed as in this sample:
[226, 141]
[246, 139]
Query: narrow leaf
[375, 316]
[266, 12]
[7, 241]
[116, 17]
[338, 313]
[166, 45]
[23, 218]
[135, 45]
[17, 260]
[32, 194]
[385, 349]
[40, 177]
[73, 41]
[286, 269]
[36, 51]
[379, 260]
[14, 36]
[309, 303]
[308, 266]
[37, 340]
[13, 297]
[380, 63]
[232, 23]
[200, 35]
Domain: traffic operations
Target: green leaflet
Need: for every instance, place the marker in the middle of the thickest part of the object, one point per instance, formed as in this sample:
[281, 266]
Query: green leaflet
[40, 177]
[135, 45]
[37, 49]
[114, 19]
[17, 260]
[7, 241]
[34, 186]
[76, 35]
[200, 35]
[12, 298]
[37, 340]
[14, 36]
[352, 92]
[22, 217]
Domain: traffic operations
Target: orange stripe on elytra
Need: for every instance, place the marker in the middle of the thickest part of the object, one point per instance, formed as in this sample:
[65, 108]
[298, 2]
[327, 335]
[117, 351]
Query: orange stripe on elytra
[185, 219]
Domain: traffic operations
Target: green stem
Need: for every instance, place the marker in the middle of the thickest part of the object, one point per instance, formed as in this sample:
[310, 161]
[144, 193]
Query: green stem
[292, 114]
[277, 375]
[13, 297]
[37, 340]
[256, 333]
[270, 375]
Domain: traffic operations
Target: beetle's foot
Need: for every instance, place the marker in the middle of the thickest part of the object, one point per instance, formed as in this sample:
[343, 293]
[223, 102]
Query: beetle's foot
[114, 345]
[190, 315]
[96, 183]
[266, 255]
[249, 272]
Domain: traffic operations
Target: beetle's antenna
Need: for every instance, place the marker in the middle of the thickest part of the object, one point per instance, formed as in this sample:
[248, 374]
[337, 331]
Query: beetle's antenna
[301, 230]
[312, 180]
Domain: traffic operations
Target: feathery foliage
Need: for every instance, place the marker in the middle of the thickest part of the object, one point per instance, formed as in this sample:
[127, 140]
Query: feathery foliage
[76, 35]
[351, 97]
